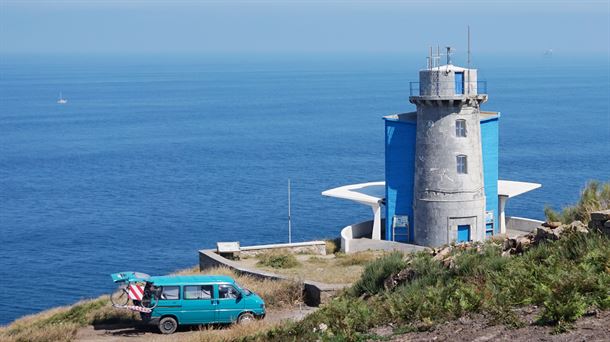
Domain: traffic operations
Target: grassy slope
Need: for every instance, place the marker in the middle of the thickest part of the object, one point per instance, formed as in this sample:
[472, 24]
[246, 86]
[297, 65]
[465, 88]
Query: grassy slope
[565, 278]
[61, 324]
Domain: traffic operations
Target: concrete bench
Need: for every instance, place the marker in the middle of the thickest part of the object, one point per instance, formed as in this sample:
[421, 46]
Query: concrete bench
[229, 250]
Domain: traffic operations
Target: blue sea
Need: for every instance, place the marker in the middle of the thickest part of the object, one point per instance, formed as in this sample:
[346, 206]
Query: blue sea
[155, 157]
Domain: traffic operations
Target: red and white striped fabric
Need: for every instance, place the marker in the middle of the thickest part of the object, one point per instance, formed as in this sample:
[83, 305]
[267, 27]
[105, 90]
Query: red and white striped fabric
[136, 291]
[138, 308]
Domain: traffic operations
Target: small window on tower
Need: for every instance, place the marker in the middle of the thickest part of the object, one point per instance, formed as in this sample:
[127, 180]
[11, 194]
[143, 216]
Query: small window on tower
[460, 128]
[462, 164]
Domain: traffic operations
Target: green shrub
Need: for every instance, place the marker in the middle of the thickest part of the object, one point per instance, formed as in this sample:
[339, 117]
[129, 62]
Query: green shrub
[359, 258]
[346, 319]
[376, 272]
[564, 303]
[277, 260]
[595, 196]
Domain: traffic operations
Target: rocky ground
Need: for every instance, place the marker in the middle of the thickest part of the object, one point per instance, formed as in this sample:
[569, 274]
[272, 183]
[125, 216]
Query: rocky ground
[595, 327]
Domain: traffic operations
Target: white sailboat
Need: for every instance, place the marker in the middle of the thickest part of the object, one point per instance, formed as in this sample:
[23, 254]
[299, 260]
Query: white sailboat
[61, 99]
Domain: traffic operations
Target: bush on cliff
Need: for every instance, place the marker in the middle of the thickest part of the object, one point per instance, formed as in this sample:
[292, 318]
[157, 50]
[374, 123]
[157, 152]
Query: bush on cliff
[595, 196]
[563, 278]
[375, 272]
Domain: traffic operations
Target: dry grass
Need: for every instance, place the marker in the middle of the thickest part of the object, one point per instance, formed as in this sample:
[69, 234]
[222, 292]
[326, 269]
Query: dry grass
[29, 328]
[333, 246]
[317, 260]
[62, 323]
[360, 258]
[187, 271]
[332, 269]
[233, 333]
[277, 294]
[51, 333]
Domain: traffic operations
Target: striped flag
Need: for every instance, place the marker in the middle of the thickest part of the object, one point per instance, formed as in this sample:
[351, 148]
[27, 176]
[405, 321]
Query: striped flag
[136, 291]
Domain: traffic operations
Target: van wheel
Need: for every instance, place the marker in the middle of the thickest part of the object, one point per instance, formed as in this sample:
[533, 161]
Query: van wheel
[168, 325]
[245, 318]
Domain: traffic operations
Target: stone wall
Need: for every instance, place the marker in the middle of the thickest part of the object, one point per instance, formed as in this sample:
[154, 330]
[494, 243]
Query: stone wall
[600, 220]
[314, 293]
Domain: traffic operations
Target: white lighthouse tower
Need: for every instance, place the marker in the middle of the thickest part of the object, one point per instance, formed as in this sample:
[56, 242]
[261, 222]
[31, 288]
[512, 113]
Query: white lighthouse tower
[449, 195]
[441, 169]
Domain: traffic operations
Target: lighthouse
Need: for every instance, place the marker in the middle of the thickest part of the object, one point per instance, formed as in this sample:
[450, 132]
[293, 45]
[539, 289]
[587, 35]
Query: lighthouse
[449, 192]
[441, 161]
[441, 169]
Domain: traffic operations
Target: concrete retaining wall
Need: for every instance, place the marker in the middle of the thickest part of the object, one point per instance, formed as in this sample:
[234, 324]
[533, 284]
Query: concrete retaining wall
[357, 238]
[355, 231]
[522, 224]
[314, 293]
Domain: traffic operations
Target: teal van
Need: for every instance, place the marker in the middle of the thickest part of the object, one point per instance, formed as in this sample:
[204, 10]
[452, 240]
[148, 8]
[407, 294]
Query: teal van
[197, 299]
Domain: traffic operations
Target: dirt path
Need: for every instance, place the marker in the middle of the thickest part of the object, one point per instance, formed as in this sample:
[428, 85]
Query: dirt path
[141, 332]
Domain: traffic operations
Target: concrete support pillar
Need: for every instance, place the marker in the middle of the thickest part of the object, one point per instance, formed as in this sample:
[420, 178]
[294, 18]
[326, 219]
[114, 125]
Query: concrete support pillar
[376, 222]
[501, 205]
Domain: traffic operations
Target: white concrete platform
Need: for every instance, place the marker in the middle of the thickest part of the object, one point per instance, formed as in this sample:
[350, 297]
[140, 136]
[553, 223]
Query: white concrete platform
[371, 194]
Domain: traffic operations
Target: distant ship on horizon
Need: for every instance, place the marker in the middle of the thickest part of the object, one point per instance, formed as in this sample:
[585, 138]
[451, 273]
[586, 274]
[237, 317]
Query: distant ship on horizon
[61, 99]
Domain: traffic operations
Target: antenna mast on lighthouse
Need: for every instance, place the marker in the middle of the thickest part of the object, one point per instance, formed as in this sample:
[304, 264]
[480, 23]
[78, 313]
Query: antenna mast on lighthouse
[468, 82]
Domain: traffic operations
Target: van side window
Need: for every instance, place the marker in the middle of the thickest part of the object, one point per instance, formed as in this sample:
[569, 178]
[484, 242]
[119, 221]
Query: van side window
[199, 292]
[170, 292]
[227, 291]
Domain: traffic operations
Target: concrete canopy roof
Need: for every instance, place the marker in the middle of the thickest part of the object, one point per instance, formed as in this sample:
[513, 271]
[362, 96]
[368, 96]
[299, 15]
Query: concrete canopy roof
[372, 193]
[512, 188]
[365, 193]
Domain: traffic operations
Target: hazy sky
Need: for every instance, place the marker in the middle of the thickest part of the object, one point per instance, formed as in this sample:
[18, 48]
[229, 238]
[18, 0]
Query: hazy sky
[181, 26]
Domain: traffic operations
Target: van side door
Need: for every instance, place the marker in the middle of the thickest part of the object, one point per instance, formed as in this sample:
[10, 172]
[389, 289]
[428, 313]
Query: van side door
[169, 302]
[231, 303]
[198, 304]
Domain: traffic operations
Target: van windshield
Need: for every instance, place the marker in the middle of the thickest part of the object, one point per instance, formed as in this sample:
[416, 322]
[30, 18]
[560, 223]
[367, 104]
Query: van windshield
[245, 290]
